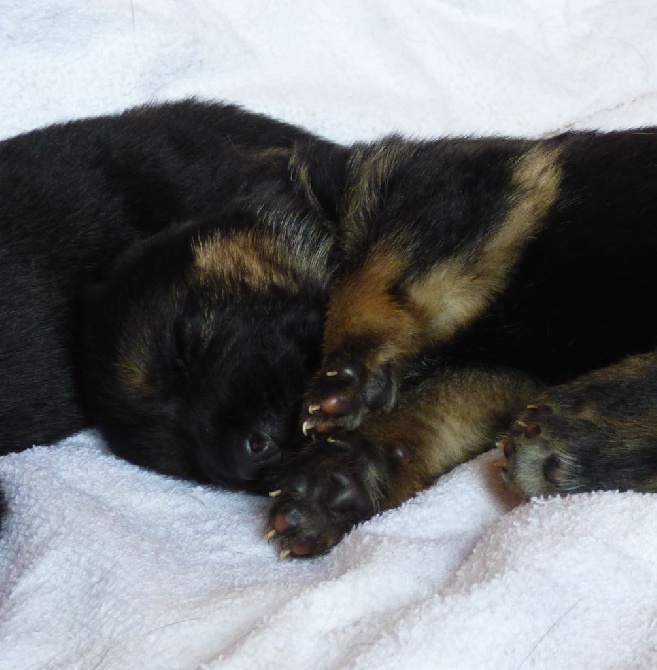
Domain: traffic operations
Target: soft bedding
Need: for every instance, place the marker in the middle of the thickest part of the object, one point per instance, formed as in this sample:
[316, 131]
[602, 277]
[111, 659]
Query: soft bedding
[104, 565]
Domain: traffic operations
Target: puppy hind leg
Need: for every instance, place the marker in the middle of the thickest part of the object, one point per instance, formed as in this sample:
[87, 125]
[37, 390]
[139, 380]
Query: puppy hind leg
[346, 478]
[594, 433]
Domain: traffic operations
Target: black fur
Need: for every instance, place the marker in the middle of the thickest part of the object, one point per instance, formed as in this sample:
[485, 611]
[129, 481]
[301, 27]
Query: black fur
[73, 198]
[225, 367]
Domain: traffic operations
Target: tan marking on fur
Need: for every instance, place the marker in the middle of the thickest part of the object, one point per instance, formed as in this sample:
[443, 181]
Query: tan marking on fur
[132, 374]
[255, 258]
[369, 170]
[131, 367]
[267, 154]
[459, 290]
[361, 306]
[134, 349]
[444, 423]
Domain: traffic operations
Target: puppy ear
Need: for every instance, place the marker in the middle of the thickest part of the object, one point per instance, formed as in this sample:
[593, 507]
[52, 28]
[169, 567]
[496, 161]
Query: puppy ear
[370, 176]
[319, 173]
[350, 186]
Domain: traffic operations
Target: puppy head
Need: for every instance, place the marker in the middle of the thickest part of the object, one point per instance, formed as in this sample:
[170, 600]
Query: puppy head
[197, 347]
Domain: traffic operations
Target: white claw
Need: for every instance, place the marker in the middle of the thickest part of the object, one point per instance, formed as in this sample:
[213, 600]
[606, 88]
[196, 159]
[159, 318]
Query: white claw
[331, 440]
[533, 406]
[332, 373]
[284, 554]
[270, 534]
[499, 445]
[307, 425]
[273, 494]
[313, 409]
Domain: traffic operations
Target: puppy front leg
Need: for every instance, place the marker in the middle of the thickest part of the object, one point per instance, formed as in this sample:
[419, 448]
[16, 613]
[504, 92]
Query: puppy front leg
[418, 277]
[371, 330]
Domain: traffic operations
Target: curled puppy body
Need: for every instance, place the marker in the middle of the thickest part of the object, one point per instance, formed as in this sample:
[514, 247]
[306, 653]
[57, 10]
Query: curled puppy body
[476, 256]
[75, 196]
[534, 256]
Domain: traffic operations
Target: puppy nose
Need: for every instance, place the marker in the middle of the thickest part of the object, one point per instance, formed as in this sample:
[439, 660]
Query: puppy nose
[257, 443]
[256, 453]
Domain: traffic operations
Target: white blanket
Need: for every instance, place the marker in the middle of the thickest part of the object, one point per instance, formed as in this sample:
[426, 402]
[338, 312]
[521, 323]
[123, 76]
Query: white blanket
[104, 565]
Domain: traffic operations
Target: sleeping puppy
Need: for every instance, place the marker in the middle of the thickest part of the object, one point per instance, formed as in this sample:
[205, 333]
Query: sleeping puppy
[487, 290]
[76, 196]
[169, 274]
[463, 285]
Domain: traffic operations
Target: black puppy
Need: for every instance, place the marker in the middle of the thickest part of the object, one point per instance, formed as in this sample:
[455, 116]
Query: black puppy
[73, 198]
[459, 278]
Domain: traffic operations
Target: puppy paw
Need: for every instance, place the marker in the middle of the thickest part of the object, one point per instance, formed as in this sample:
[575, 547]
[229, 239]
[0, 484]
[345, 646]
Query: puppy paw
[556, 448]
[323, 494]
[536, 450]
[345, 391]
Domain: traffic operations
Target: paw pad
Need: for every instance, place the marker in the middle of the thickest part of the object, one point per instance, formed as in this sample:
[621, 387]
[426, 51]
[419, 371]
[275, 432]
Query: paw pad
[321, 498]
[553, 469]
[343, 392]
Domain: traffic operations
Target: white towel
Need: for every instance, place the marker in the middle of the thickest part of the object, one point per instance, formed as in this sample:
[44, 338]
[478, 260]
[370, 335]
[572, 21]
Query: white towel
[104, 565]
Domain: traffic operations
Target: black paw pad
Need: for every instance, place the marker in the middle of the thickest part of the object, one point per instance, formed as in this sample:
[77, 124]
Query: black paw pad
[346, 494]
[321, 498]
[379, 390]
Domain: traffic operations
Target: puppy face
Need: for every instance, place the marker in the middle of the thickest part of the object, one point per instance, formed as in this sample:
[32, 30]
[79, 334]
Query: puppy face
[197, 349]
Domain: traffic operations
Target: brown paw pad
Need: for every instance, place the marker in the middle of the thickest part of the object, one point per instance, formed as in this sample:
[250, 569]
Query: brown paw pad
[343, 392]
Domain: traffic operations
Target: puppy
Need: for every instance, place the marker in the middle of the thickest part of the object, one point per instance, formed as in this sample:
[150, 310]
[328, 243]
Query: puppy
[486, 292]
[81, 204]
[183, 264]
